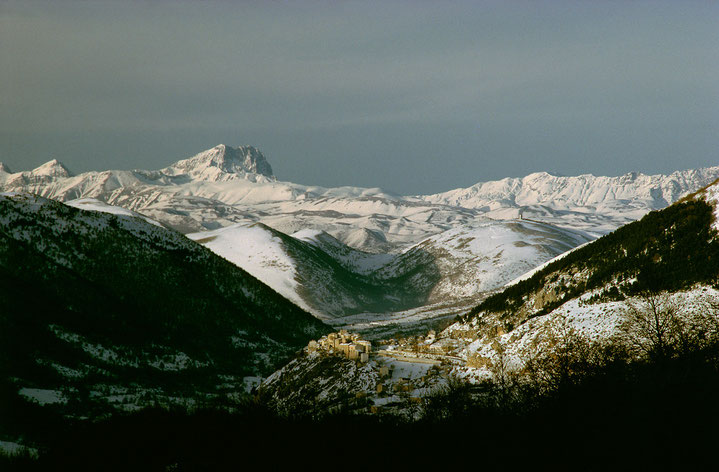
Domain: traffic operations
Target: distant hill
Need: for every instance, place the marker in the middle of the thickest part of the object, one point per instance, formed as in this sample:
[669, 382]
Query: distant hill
[333, 280]
[583, 201]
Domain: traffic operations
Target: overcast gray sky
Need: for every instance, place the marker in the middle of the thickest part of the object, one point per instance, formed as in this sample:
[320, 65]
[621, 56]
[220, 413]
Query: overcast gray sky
[411, 96]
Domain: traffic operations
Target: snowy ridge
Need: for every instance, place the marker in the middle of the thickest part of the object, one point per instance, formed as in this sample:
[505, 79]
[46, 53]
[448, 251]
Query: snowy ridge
[224, 186]
[334, 281]
[657, 191]
[583, 202]
[93, 204]
[353, 259]
[259, 252]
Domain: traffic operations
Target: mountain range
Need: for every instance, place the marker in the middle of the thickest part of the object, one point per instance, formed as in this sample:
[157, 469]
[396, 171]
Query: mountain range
[335, 281]
[355, 256]
[227, 185]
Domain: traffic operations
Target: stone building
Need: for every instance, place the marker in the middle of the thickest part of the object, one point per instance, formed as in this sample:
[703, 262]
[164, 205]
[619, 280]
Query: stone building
[349, 345]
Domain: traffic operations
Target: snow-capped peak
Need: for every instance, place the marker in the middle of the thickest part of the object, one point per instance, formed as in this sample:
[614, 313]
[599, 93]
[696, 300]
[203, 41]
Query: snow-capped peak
[223, 163]
[53, 168]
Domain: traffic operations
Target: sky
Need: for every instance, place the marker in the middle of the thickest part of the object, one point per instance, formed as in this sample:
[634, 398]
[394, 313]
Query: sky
[415, 97]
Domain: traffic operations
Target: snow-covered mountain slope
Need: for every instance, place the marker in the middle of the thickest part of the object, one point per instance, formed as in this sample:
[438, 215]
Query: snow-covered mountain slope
[258, 251]
[483, 258]
[93, 204]
[313, 270]
[102, 311]
[485, 346]
[352, 259]
[224, 186]
[586, 201]
[669, 260]
[332, 280]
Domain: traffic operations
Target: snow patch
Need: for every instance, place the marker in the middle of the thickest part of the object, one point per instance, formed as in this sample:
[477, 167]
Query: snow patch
[43, 396]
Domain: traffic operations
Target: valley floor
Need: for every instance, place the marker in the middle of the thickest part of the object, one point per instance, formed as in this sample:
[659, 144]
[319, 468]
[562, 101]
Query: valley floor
[376, 326]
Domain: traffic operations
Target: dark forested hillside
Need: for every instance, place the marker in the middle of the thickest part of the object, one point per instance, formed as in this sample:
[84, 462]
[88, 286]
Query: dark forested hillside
[101, 312]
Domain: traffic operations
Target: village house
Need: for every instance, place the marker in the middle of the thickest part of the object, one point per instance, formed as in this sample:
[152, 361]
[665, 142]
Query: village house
[349, 345]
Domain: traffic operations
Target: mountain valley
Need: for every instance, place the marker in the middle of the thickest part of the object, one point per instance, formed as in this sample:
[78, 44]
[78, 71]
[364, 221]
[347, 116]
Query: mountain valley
[208, 285]
[370, 257]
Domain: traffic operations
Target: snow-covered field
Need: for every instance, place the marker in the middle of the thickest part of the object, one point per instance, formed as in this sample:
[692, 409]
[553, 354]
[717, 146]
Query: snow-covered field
[43, 396]
[12, 448]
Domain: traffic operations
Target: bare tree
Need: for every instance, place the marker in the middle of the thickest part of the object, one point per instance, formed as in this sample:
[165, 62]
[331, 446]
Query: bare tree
[499, 366]
[706, 326]
[564, 357]
[652, 326]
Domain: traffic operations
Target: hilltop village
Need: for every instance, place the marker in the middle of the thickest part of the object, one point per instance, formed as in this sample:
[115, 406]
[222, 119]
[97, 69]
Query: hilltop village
[395, 371]
[392, 376]
[349, 345]
[416, 349]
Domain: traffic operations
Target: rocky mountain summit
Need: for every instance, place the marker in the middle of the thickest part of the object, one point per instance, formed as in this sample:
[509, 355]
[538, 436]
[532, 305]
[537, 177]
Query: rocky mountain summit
[222, 163]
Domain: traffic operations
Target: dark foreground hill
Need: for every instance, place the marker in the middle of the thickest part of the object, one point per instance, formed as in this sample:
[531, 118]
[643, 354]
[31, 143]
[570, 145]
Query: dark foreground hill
[100, 313]
[627, 417]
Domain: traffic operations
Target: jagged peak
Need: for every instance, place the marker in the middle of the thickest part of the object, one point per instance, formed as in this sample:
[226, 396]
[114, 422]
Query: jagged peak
[227, 160]
[52, 168]
[4, 168]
